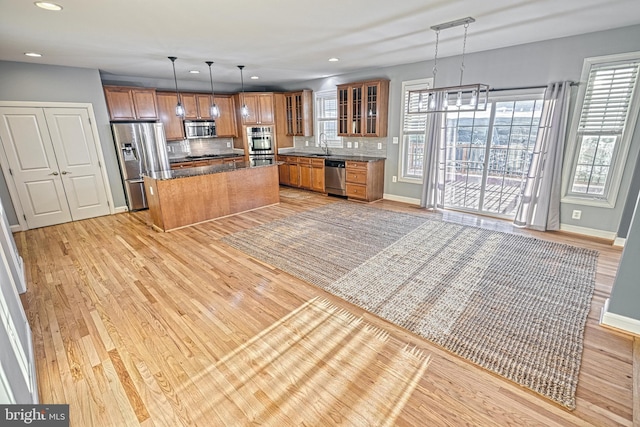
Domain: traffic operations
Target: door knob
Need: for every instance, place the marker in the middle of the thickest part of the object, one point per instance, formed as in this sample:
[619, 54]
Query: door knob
[54, 173]
[65, 172]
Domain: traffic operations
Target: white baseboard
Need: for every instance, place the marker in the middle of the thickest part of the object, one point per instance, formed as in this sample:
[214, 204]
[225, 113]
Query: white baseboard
[120, 209]
[15, 228]
[619, 241]
[402, 199]
[619, 321]
[610, 235]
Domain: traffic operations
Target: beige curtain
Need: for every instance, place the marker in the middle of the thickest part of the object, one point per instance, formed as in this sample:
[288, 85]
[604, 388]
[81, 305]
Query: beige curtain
[432, 173]
[540, 202]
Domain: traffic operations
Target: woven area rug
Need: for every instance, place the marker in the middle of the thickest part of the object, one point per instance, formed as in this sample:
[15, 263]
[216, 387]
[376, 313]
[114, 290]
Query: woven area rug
[512, 304]
[301, 371]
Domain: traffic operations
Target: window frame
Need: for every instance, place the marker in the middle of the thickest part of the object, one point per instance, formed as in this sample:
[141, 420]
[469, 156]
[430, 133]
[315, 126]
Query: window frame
[621, 150]
[318, 95]
[417, 84]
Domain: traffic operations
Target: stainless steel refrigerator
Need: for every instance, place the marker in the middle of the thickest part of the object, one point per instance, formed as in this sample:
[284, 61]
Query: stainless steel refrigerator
[142, 148]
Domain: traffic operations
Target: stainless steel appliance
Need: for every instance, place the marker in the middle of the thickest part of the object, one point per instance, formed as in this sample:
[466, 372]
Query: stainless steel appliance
[261, 145]
[142, 148]
[199, 129]
[335, 177]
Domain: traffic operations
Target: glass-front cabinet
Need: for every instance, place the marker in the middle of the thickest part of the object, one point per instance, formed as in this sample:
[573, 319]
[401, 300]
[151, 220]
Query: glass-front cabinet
[363, 108]
[299, 113]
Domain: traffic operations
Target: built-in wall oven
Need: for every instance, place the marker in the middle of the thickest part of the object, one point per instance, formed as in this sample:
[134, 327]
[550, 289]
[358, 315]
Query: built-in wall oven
[261, 145]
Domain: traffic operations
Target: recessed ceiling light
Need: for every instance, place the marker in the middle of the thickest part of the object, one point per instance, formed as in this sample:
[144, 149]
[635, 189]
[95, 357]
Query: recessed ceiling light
[254, 77]
[48, 6]
[194, 72]
[333, 60]
[33, 54]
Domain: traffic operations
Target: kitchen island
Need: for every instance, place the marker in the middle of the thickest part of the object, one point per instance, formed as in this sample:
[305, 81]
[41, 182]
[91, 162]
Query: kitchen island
[183, 197]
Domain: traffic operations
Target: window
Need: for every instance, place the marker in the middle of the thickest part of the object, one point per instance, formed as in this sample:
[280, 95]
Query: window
[327, 118]
[412, 134]
[601, 132]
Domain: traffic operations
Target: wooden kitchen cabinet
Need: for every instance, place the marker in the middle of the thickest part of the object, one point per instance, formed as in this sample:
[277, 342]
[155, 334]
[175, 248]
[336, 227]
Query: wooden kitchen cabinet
[130, 103]
[302, 172]
[196, 106]
[365, 180]
[226, 124]
[363, 108]
[317, 175]
[299, 113]
[173, 127]
[261, 109]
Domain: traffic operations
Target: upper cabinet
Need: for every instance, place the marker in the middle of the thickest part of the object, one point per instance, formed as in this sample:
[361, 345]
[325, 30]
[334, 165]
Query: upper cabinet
[130, 103]
[299, 113]
[196, 106]
[173, 127]
[260, 106]
[226, 124]
[363, 108]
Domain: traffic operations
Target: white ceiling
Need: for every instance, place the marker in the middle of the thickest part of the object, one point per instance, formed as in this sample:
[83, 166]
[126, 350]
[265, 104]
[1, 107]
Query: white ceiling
[282, 40]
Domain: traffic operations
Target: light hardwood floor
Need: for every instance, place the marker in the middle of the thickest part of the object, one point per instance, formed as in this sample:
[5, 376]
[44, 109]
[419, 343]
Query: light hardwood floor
[128, 324]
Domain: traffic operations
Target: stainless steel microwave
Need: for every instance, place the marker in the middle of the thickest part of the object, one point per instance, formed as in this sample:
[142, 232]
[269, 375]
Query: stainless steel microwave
[199, 129]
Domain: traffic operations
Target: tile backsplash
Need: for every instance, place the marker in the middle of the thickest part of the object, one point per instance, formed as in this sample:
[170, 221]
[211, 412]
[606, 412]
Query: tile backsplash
[365, 146]
[199, 147]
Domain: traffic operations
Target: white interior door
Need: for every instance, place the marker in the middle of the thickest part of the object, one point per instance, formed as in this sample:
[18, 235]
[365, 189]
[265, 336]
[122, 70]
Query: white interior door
[33, 166]
[17, 365]
[75, 150]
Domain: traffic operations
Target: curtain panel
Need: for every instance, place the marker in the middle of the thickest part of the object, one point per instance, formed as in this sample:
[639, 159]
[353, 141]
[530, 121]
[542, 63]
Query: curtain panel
[539, 207]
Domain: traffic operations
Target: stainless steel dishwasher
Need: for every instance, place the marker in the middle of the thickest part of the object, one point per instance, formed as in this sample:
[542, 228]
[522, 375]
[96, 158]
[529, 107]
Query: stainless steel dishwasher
[335, 177]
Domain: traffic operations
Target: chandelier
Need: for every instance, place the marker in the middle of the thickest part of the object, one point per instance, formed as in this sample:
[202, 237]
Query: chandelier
[467, 97]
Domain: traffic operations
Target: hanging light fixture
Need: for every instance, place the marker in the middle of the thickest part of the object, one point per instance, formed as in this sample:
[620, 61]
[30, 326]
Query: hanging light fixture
[469, 97]
[179, 107]
[244, 111]
[214, 111]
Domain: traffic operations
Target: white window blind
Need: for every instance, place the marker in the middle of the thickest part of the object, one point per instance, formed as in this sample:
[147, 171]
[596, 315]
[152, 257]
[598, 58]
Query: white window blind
[327, 118]
[607, 98]
[603, 129]
[413, 133]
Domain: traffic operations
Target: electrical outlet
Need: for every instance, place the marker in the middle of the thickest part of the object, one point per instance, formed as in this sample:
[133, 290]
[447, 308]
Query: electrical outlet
[355, 144]
[379, 145]
[348, 144]
[576, 214]
[228, 144]
[306, 143]
[395, 139]
[394, 178]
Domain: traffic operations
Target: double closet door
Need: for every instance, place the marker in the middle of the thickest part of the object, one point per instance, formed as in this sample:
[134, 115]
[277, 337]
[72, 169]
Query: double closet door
[53, 162]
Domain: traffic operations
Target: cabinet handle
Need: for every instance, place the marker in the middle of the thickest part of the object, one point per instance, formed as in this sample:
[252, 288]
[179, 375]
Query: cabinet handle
[65, 172]
[54, 173]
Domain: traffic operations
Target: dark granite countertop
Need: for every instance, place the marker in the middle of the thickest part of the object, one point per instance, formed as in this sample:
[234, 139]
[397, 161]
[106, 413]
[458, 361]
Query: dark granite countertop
[204, 157]
[204, 170]
[332, 156]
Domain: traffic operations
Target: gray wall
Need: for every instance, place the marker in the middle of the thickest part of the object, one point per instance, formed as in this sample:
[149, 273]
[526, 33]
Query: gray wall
[21, 81]
[532, 64]
[629, 206]
[625, 295]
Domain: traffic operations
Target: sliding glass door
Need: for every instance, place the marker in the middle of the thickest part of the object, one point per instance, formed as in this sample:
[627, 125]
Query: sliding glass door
[487, 155]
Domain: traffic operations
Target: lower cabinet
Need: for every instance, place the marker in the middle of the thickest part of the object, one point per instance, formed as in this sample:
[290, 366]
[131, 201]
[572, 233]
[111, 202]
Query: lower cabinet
[365, 180]
[302, 172]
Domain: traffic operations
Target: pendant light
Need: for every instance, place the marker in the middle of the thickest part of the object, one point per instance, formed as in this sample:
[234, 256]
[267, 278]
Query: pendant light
[214, 111]
[179, 107]
[244, 111]
[469, 97]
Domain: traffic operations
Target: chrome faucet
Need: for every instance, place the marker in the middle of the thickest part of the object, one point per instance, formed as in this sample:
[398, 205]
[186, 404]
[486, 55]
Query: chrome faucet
[323, 139]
